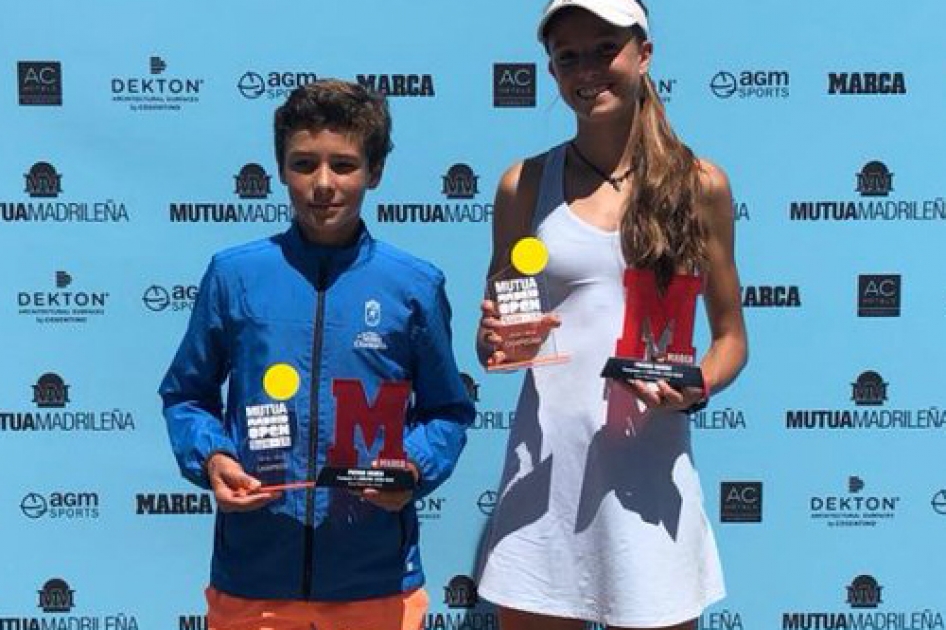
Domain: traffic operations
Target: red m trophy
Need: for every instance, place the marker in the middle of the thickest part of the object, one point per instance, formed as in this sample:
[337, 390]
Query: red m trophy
[384, 420]
[657, 340]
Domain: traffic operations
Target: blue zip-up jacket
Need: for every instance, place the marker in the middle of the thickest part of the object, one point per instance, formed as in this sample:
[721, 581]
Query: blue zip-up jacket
[369, 312]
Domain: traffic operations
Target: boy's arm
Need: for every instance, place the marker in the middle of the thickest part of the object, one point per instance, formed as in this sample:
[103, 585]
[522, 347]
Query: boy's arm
[193, 407]
[443, 409]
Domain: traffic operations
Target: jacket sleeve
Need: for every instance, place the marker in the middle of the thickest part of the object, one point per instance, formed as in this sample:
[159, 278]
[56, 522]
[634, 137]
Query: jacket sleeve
[442, 407]
[190, 391]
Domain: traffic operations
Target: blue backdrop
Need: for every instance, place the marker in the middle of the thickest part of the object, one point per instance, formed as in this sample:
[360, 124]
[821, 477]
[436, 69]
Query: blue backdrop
[137, 141]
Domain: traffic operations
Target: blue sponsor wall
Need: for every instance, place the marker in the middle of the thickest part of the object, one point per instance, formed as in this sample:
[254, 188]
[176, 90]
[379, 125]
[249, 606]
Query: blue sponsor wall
[125, 128]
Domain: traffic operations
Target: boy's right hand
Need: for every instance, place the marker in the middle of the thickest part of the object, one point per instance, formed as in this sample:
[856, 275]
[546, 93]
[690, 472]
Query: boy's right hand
[512, 343]
[234, 490]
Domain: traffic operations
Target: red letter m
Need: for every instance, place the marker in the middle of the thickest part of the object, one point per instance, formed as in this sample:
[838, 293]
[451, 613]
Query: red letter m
[654, 323]
[351, 410]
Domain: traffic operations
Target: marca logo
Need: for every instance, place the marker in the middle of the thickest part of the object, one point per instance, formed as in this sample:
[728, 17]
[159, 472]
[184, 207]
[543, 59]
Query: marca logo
[867, 83]
[39, 82]
[173, 504]
[398, 84]
[768, 296]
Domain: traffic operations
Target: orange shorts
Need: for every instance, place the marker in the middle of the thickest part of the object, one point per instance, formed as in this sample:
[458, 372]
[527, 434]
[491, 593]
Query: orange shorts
[403, 611]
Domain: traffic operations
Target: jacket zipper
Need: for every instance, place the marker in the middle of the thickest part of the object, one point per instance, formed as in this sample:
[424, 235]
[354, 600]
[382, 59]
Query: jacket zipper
[315, 374]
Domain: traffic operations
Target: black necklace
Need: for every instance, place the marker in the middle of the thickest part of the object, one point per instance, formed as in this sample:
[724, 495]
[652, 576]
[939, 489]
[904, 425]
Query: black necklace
[614, 180]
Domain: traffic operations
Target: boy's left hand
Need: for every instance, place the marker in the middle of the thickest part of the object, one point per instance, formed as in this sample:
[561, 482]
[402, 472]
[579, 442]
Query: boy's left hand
[390, 500]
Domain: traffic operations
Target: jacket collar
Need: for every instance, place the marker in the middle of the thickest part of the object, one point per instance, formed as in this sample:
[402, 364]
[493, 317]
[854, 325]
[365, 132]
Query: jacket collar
[326, 259]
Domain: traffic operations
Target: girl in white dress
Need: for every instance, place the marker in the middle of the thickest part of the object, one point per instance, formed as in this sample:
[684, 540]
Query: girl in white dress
[600, 517]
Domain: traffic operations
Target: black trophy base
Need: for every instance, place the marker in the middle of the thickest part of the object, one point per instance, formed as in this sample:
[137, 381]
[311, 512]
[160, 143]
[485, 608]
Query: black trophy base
[355, 478]
[676, 375]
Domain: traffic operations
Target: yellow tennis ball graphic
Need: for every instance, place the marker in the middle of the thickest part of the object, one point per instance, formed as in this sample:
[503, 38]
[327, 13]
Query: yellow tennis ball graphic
[529, 256]
[281, 381]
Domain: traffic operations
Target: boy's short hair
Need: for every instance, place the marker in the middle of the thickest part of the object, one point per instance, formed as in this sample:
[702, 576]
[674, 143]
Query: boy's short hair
[339, 105]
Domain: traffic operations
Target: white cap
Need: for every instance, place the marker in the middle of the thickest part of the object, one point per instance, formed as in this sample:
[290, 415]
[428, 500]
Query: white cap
[623, 13]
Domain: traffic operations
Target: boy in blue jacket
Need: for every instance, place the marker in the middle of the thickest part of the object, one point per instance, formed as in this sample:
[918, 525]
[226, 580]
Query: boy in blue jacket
[281, 321]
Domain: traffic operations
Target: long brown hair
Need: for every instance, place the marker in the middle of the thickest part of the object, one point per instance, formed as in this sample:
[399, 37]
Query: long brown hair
[660, 228]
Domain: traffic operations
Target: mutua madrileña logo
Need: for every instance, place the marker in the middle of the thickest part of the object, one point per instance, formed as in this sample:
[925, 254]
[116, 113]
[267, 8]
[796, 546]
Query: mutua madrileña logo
[866, 599]
[56, 601]
[54, 412]
[874, 183]
[62, 304]
[464, 608]
[869, 413]
[459, 186]
[43, 185]
[252, 188]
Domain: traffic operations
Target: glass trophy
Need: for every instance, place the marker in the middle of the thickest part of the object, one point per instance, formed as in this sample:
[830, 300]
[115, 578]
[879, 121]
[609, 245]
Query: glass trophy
[520, 297]
[347, 465]
[272, 431]
[657, 339]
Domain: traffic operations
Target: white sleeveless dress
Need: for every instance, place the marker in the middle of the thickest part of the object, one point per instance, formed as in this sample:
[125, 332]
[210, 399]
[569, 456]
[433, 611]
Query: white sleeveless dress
[595, 523]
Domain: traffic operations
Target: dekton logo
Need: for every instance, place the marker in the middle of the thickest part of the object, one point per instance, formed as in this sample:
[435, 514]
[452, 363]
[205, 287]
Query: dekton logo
[156, 92]
[62, 307]
[854, 509]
